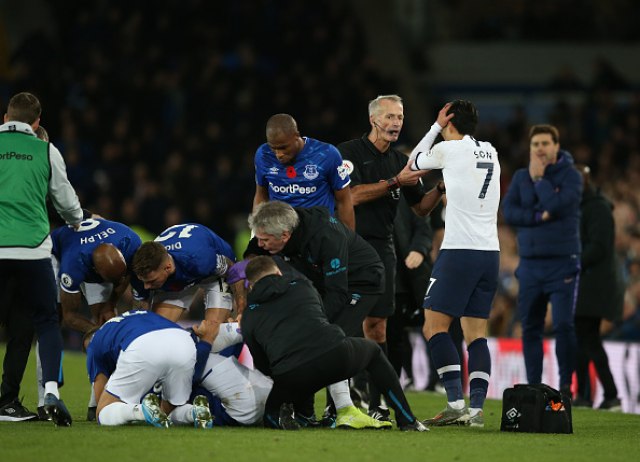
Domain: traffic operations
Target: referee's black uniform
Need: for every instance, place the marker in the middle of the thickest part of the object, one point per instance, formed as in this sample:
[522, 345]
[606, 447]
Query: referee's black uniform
[374, 219]
[291, 340]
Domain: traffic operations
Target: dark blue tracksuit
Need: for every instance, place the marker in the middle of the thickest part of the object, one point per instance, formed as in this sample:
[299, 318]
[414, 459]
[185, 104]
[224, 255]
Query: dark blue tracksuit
[549, 260]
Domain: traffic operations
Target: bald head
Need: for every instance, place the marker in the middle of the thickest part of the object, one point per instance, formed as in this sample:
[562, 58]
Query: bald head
[281, 124]
[109, 263]
[284, 138]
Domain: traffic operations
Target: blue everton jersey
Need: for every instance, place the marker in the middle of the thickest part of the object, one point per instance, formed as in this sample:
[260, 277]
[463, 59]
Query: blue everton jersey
[198, 253]
[73, 248]
[312, 179]
[116, 335]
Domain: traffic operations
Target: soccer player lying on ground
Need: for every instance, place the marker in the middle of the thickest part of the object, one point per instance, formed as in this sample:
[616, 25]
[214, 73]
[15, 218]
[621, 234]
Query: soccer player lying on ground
[129, 354]
[291, 340]
[236, 394]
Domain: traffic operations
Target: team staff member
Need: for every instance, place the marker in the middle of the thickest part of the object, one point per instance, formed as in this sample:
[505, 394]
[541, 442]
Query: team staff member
[301, 171]
[291, 340]
[343, 267]
[601, 292]
[377, 179]
[20, 333]
[543, 204]
[33, 169]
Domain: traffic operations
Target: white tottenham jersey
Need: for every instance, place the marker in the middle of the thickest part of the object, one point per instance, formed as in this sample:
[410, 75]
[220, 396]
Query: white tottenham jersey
[471, 173]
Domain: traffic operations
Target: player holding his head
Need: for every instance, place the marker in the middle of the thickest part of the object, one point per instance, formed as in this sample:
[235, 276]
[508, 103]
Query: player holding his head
[465, 274]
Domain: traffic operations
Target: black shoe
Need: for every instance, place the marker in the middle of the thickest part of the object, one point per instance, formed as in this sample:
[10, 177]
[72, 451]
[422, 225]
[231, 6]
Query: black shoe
[380, 413]
[614, 405]
[286, 420]
[360, 397]
[56, 409]
[42, 414]
[14, 411]
[582, 402]
[307, 422]
[416, 426]
[329, 417]
[91, 413]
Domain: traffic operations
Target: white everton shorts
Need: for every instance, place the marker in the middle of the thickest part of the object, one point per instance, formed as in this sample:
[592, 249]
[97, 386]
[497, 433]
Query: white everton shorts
[217, 294]
[243, 391]
[167, 356]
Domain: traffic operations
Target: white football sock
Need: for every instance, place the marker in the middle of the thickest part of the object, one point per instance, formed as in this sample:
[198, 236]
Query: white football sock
[52, 387]
[340, 394]
[458, 405]
[92, 398]
[182, 415]
[120, 413]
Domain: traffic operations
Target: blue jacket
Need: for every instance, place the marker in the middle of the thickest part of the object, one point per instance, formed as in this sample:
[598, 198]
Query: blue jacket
[559, 192]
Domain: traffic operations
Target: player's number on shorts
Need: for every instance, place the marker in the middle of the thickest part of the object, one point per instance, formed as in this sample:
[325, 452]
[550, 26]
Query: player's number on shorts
[185, 232]
[431, 282]
[487, 179]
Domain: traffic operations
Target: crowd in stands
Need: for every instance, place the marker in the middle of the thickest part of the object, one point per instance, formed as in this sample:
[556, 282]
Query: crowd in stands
[158, 115]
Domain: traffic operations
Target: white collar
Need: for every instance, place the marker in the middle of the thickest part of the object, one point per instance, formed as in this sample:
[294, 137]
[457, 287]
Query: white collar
[15, 126]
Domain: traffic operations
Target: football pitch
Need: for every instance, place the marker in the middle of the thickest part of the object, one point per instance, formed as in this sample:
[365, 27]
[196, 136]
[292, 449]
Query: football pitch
[599, 436]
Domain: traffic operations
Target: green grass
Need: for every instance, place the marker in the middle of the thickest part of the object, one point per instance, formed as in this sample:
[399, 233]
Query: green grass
[599, 436]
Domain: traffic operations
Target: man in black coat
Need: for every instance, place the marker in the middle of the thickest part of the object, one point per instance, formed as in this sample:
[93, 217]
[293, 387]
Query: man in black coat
[343, 267]
[600, 294]
[291, 340]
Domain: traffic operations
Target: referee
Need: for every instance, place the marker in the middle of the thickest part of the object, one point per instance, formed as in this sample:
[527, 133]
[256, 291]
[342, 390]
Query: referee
[33, 169]
[377, 181]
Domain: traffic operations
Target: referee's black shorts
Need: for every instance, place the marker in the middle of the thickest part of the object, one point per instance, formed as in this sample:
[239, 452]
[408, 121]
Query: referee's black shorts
[385, 306]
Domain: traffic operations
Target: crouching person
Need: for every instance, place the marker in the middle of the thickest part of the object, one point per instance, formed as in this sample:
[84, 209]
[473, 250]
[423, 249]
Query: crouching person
[128, 355]
[291, 340]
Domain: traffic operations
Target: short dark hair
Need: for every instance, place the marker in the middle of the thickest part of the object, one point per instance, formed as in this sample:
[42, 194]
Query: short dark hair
[149, 257]
[42, 133]
[545, 128]
[465, 117]
[24, 107]
[259, 267]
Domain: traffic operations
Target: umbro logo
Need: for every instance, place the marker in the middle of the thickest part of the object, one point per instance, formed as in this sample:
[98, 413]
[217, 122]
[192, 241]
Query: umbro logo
[274, 170]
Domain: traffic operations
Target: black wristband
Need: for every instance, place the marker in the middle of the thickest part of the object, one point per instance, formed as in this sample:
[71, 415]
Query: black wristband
[86, 214]
[393, 184]
[441, 190]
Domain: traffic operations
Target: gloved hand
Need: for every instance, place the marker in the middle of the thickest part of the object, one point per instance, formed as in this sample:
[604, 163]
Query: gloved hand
[236, 272]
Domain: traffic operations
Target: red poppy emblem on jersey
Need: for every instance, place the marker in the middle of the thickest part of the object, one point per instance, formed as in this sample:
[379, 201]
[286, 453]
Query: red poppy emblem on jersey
[291, 172]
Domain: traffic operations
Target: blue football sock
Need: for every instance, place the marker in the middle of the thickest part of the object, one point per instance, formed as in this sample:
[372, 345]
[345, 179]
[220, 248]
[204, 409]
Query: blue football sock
[447, 362]
[479, 372]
